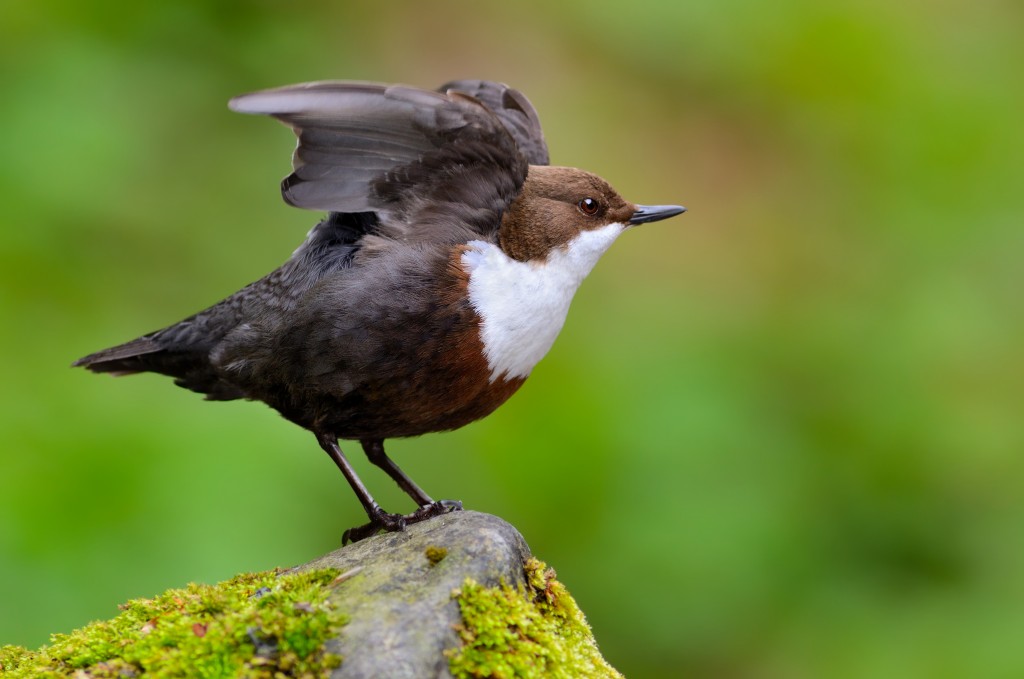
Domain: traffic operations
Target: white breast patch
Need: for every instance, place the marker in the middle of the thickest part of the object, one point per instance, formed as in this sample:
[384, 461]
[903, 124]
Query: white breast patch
[522, 305]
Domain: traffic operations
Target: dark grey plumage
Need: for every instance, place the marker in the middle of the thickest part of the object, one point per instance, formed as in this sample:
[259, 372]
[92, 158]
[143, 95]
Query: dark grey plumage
[396, 150]
[394, 165]
[514, 110]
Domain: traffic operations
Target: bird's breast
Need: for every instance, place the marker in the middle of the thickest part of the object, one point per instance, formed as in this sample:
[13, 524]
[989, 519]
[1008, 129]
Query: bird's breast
[522, 305]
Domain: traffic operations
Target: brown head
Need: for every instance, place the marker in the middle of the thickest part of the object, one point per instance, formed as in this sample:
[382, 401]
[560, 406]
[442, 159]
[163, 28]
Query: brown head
[558, 203]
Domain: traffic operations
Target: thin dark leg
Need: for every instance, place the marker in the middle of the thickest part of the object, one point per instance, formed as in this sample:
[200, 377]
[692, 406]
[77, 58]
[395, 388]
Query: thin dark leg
[379, 519]
[374, 450]
[330, 444]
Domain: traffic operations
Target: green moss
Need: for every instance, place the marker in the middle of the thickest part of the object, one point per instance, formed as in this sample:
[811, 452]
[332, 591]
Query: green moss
[435, 554]
[532, 631]
[255, 625]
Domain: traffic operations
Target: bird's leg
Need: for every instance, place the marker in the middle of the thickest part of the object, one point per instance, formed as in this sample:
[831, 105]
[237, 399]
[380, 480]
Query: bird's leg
[374, 449]
[379, 519]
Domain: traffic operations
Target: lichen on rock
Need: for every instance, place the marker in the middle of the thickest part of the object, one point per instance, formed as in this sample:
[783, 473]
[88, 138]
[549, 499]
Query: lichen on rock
[258, 625]
[533, 630]
[435, 554]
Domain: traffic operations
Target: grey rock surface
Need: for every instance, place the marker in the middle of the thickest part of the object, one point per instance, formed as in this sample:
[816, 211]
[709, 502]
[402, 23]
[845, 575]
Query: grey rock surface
[401, 611]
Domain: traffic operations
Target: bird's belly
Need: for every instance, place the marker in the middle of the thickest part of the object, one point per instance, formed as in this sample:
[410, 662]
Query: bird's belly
[441, 395]
[407, 361]
[403, 376]
[447, 405]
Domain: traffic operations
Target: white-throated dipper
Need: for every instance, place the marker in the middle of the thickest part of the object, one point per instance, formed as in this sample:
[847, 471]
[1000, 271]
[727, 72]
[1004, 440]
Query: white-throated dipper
[439, 278]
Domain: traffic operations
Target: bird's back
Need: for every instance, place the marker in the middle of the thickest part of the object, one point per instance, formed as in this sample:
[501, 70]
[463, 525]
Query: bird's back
[185, 350]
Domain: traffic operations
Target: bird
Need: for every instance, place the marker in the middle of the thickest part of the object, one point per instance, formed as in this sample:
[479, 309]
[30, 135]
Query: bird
[439, 277]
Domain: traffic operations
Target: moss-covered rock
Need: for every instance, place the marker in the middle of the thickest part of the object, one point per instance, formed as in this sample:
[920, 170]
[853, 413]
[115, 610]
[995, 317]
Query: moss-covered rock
[459, 594]
[399, 602]
[533, 630]
[254, 625]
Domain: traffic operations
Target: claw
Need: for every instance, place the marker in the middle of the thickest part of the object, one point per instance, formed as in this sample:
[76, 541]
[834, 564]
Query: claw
[434, 509]
[390, 523]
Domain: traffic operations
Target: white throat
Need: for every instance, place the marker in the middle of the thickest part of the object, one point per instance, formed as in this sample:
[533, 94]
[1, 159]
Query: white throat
[522, 305]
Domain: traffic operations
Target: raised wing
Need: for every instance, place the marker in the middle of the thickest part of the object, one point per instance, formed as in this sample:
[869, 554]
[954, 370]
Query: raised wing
[515, 112]
[415, 157]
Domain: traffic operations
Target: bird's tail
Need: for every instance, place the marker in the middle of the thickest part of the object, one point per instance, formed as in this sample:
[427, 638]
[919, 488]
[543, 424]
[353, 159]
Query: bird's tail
[124, 359]
[189, 365]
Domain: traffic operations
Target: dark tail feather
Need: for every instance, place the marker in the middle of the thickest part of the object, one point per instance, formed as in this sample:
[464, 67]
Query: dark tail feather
[124, 359]
[191, 369]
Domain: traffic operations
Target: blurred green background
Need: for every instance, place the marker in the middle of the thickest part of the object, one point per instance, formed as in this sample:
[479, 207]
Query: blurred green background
[780, 436]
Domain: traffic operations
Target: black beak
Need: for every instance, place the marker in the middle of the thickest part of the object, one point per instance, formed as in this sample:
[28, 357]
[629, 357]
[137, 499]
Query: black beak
[652, 213]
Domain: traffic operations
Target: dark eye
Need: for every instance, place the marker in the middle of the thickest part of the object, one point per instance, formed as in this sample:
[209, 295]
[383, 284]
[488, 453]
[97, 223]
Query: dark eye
[588, 206]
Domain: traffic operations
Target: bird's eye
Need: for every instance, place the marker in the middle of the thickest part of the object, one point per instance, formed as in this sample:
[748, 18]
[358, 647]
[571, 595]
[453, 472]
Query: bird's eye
[588, 206]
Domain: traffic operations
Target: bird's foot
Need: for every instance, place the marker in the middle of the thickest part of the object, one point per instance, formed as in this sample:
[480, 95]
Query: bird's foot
[389, 523]
[433, 509]
[379, 521]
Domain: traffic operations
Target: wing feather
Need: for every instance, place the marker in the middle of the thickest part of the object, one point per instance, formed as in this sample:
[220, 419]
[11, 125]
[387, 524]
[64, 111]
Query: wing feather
[515, 112]
[397, 150]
